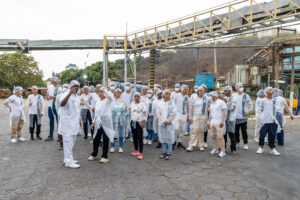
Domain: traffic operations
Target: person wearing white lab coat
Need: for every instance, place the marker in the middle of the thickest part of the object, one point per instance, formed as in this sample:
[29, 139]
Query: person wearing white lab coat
[158, 99]
[176, 90]
[36, 112]
[209, 101]
[102, 125]
[85, 105]
[127, 96]
[260, 96]
[15, 103]
[166, 113]
[217, 117]
[69, 122]
[150, 118]
[181, 101]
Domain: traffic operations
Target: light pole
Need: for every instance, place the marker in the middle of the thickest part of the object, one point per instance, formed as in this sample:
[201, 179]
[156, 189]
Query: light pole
[85, 77]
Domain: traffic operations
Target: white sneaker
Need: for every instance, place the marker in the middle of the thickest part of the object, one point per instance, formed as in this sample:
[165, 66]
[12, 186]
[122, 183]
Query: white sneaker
[22, 139]
[274, 152]
[13, 140]
[120, 150]
[112, 150]
[73, 165]
[145, 141]
[214, 151]
[260, 150]
[205, 145]
[256, 140]
[222, 154]
[201, 149]
[246, 147]
[75, 161]
[149, 142]
[189, 148]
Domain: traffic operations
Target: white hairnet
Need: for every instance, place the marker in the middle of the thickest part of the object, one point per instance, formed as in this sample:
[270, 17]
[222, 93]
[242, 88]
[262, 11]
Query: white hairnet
[17, 88]
[144, 87]
[74, 82]
[159, 91]
[137, 93]
[66, 85]
[117, 90]
[203, 85]
[92, 88]
[196, 87]
[228, 88]
[55, 79]
[237, 85]
[128, 83]
[85, 87]
[165, 91]
[267, 89]
[260, 93]
[280, 92]
[275, 92]
[214, 93]
[177, 85]
[183, 87]
[150, 91]
[98, 85]
[113, 83]
[34, 87]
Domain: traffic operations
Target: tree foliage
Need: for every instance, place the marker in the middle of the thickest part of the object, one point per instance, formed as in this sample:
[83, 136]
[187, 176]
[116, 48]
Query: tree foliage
[19, 69]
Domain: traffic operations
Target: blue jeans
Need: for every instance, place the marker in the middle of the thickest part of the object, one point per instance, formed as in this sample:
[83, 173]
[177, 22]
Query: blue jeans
[188, 127]
[154, 137]
[52, 111]
[150, 134]
[121, 140]
[166, 148]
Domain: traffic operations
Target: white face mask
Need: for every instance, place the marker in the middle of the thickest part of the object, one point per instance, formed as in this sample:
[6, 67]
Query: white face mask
[112, 87]
[149, 95]
[176, 89]
[65, 89]
[127, 88]
[241, 89]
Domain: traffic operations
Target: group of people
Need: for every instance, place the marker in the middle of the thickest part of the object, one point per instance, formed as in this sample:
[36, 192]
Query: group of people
[147, 116]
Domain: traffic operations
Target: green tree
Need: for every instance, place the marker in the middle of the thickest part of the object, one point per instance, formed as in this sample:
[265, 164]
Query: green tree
[19, 69]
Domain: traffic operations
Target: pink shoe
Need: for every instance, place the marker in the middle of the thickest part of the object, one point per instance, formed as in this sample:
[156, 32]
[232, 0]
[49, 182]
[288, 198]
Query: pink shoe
[135, 153]
[140, 157]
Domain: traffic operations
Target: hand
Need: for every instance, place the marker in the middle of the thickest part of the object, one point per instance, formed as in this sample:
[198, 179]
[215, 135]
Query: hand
[166, 123]
[191, 121]
[80, 124]
[292, 117]
[92, 126]
[221, 125]
[208, 126]
[246, 114]
[93, 110]
[143, 124]
[73, 90]
[41, 114]
[30, 104]
[52, 97]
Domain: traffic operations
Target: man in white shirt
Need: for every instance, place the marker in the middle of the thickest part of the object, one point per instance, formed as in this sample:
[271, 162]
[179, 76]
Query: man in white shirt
[15, 104]
[85, 105]
[52, 93]
[127, 96]
[268, 122]
[36, 112]
[230, 119]
[112, 88]
[144, 94]
[69, 122]
[181, 101]
[244, 105]
[216, 123]
[280, 106]
[177, 90]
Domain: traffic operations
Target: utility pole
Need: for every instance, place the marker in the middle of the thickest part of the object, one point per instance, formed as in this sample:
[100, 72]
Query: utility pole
[215, 59]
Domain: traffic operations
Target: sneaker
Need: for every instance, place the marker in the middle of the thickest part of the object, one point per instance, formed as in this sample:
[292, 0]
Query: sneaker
[260, 150]
[135, 153]
[85, 137]
[60, 148]
[131, 139]
[222, 154]
[205, 145]
[92, 158]
[274, 152]
[189, 149]
[168, 156]
[49, 139]
[233, 153]
[127, 137]
[75, 161]
[120, 150]
[163, 155]
[180, 146]
[13, 140]
[140, 156]
[149, 142]
[31, 137]
[256, 140]
[38, 137]
[145, 141]
[214, 151]
[22, 139]
[103, 160]
[112, 150]
[201, 149]
[158, 145]
[246, 147]
[73, 165]
[91, 142]
[186, 133]
[174, 145]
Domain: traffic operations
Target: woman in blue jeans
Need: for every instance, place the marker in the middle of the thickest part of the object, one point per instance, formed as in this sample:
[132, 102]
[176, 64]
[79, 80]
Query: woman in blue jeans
[166, 113]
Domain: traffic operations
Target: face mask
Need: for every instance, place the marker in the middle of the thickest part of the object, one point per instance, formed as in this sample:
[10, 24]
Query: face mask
[112, 87]
[176, 89]
[241, 89]
[127, 88]
[78, 92]
[149, 95]
[65, 89]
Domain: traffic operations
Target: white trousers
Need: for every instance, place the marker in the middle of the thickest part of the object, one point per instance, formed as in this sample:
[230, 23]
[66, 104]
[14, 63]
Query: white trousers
[69, 142]
[180, 127]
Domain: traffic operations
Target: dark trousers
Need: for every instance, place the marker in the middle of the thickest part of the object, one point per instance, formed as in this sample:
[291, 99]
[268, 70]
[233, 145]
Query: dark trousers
[85, 123]
[96, 143]
[38, 127]
[205, 136]
[137, 134]
[269, 129]
[52, 113]
[232, 141]
[243, 128]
